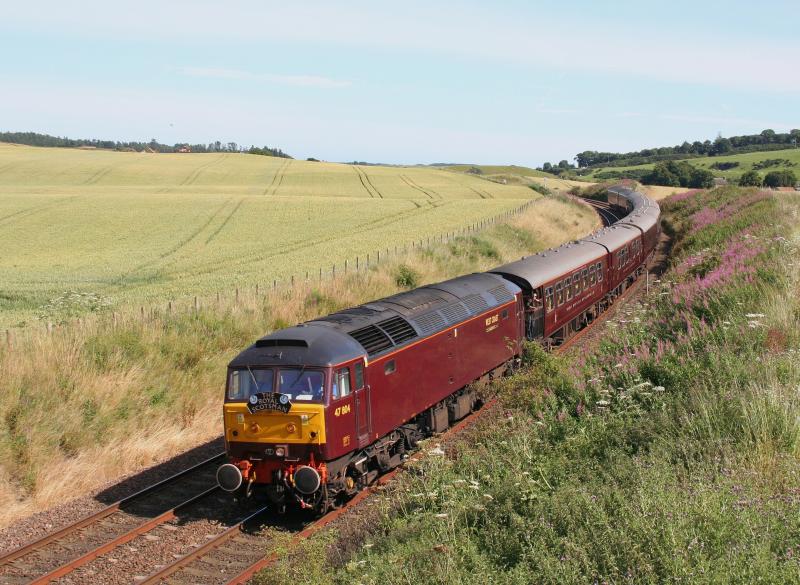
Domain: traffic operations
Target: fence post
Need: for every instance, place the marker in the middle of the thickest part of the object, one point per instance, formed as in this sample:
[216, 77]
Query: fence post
[49, 328]
[141, 310]
[292, 280]
[9, 339]
[379, 257]
[169, 308]
[333, 272]
[256, 289]
[237, 295]
[196, 305]
[345, 265]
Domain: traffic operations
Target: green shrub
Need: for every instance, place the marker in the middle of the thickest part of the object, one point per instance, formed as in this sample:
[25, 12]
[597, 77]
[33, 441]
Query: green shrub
[406, 277]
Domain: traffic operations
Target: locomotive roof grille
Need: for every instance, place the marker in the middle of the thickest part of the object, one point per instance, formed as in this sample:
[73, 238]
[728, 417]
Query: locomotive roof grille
[501, 294]
[281, 343]
[398, 329]
[476, 304]
[430, 323]
[372, 339]
[455, 313]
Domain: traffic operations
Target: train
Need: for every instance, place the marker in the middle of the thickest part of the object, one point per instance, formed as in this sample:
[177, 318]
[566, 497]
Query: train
[316, 412]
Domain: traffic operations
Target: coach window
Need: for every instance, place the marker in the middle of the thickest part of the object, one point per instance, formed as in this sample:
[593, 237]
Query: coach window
[548, 295]
[341, 383]
[359, 375]
[592, 276]
[585, 273]
[390, 367]
[559, 294]
[568, 287]
[599, 272]
[576, 284]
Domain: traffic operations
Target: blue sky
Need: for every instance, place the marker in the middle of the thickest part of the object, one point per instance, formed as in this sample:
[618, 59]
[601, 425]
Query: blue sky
[501, 82]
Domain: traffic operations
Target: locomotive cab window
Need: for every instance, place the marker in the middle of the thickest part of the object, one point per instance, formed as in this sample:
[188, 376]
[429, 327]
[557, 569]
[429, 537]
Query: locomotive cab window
[340, 386]
[359, 375]
[390, 367]
[245, 382]
[301, 384]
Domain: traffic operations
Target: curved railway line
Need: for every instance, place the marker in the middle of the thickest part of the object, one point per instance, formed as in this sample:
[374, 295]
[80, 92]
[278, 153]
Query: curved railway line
[233, 555]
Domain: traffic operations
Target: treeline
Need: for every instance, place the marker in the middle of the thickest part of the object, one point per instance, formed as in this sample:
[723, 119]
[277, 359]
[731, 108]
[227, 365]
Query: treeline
[46, 140]
[766, 140]
[591, 159]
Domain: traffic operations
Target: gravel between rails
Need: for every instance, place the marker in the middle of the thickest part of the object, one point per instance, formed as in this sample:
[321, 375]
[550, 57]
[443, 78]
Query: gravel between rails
[137, 559]
[42, 523]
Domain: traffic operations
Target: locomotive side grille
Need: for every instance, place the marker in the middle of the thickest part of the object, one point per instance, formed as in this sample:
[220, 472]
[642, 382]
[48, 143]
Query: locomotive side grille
[430, 323]
[476, 303]
[455, 313]
[398, 329]
[501, 294]
[372, 339]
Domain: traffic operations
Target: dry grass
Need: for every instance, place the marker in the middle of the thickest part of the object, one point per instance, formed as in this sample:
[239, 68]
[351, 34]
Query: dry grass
[96, 400]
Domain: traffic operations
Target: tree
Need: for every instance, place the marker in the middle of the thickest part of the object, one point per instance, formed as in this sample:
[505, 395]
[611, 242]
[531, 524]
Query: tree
[768, 135]
[547, 167]
[722, 145]
[780, 179]
[701, 179]
[662, 175]
[564, 164]
[750, 179]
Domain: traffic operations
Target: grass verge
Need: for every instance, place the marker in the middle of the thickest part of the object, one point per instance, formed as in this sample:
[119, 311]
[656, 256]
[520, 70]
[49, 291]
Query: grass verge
[668, 456]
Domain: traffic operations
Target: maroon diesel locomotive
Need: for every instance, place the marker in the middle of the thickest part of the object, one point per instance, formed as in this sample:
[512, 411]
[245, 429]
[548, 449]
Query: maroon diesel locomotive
[314, 413]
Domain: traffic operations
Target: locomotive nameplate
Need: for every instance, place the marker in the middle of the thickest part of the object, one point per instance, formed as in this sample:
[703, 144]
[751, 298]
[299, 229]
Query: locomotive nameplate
[269, 401]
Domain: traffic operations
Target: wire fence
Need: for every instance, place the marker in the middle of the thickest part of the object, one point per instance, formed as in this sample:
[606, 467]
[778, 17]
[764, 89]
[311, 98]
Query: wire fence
[350, 266]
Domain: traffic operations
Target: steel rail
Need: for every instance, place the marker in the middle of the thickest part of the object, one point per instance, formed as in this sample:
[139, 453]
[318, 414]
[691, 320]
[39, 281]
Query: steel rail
[121, 539]
[117, 506]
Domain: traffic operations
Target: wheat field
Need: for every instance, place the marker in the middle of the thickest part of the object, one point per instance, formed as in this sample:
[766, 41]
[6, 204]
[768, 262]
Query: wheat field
[82, 229]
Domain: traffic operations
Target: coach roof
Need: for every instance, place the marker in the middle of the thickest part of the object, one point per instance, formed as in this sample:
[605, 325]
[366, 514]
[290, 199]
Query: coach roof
[534, 271]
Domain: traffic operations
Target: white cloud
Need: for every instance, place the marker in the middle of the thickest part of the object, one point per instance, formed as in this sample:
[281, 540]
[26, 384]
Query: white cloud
[315, 81]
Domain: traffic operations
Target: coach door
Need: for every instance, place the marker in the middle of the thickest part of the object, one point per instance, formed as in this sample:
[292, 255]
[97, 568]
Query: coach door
[362, 404]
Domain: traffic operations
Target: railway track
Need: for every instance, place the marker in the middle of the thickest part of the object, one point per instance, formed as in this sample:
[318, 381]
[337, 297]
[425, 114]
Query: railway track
[231, 556]
[65, 550]
[604, 210]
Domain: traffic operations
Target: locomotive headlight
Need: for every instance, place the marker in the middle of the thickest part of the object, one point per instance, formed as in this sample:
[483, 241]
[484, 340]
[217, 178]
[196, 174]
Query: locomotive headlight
[291, 428]
[280, 451]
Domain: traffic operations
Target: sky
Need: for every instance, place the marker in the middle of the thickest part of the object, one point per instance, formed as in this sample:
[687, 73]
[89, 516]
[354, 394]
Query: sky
[504, 82]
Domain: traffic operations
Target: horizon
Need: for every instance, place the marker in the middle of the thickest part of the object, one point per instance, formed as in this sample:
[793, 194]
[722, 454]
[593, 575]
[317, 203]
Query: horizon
[506, 84]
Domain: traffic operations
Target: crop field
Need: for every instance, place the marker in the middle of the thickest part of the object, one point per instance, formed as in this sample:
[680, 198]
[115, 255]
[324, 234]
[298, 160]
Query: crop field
[772, 160]
[81, 228]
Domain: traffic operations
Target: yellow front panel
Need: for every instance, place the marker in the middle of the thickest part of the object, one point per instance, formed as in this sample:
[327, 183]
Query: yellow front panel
[275, 427]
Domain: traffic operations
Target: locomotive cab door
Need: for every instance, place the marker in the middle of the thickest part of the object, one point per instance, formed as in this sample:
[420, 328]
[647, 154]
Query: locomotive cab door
[362, 405]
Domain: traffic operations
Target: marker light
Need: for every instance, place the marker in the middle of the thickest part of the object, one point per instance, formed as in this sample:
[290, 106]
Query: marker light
[280, 451]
